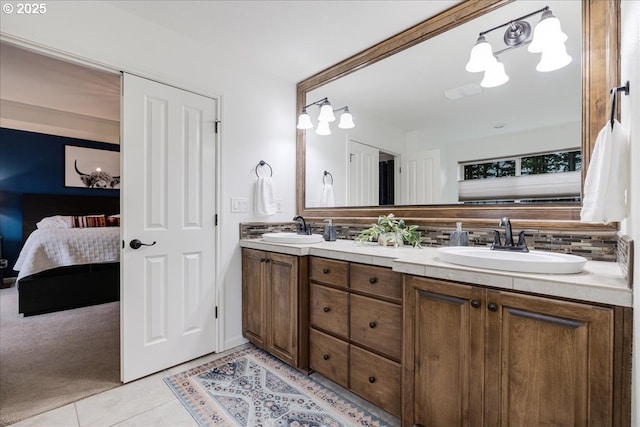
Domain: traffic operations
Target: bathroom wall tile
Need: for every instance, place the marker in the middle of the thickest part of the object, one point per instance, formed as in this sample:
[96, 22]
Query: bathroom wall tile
[595, 246]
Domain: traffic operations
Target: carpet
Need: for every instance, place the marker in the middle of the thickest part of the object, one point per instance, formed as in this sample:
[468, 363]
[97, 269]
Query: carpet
[252, 388]
[50, 360]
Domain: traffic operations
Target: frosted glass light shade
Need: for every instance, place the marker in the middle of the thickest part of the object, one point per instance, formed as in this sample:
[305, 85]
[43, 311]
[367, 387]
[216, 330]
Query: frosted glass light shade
[323, 128]
[326, 113]
[481, 56]
[553, 58]
[494, 75]
[304, 121]
[547, 32]
[346, 120]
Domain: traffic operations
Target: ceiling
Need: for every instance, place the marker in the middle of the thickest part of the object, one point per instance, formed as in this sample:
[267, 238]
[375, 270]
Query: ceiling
[292, 39]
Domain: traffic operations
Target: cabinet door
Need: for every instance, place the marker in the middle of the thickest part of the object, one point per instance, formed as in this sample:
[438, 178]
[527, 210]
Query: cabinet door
[282, 307]
[254, 315]
[442, 361]
[548, 362]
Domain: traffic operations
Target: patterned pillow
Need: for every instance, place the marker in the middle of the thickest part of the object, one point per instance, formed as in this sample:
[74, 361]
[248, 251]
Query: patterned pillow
[113, 221]
[87, 221]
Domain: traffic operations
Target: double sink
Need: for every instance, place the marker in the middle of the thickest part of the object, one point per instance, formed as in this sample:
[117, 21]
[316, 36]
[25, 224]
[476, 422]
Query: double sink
[478, 257]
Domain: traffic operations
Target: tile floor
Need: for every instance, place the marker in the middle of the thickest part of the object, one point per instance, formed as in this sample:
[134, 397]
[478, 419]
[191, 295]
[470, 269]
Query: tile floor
[149, 402]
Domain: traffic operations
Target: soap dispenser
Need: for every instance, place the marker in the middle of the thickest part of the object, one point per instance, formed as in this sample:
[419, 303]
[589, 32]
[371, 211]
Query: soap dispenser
[329, 231]
[459, 237]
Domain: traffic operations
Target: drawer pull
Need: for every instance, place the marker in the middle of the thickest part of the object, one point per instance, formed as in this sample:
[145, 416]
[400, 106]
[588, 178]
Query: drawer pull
[372, 380]
[325, 357]
[373, 280]
[325, 270]
[372, 325]
[326, 309]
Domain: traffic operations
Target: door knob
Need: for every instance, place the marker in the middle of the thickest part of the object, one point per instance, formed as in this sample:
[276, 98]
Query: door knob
[137, 244]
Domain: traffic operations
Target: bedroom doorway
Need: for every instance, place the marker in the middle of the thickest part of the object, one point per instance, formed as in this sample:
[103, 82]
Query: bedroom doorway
[52, 359]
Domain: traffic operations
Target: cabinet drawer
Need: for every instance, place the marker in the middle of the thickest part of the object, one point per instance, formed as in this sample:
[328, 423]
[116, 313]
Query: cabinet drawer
[376, 379]
[377, 324]
[377, 281]
[329, 271]
[329, 357]
[329, 308]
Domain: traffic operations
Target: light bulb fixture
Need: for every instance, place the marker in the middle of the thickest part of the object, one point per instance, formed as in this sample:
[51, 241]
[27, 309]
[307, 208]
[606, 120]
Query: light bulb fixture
[494, 75]
[548, 39]
[325, 117]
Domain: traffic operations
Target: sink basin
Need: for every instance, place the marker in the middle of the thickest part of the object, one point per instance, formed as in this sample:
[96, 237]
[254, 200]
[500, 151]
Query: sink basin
[292, 238]
[523, 262]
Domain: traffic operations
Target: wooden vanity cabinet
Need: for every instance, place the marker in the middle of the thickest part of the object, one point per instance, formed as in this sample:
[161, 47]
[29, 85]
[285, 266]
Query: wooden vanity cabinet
[356, 329]
[275, 304]
[474, 356]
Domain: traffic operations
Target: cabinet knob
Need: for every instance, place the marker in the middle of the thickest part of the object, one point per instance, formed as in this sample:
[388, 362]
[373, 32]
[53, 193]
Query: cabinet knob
[373, 280]
[325, 270]
[372, 325]
[475, 303]
[372, 380]
[326, 309]
[263, 259]
[268, 260]
[492, 307]
[325, 357]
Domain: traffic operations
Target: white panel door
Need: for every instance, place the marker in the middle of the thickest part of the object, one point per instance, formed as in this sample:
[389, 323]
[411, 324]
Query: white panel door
[364, 175]
[421, 178]
[168, 197]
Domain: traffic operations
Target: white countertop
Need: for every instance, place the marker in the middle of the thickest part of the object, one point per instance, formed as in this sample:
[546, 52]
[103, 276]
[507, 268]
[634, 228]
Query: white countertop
[600, 282]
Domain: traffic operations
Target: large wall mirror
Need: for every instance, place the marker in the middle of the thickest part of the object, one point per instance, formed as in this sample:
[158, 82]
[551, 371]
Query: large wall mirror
[422, 119]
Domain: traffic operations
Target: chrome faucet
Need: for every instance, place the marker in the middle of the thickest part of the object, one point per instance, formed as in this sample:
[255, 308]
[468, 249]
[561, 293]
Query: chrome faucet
[521, 246]
[302, 226]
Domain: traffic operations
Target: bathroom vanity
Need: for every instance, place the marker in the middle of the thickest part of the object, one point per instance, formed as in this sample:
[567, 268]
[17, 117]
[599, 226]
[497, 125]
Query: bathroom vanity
[393, 325]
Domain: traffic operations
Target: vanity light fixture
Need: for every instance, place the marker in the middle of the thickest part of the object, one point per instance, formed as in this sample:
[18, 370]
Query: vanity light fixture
[548, 39]
[325, 117]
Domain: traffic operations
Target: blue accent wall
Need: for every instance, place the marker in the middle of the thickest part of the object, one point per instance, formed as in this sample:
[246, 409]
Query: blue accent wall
[33, 163]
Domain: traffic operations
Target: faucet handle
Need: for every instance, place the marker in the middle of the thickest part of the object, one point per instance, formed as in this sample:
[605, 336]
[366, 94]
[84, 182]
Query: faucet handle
[496, 238]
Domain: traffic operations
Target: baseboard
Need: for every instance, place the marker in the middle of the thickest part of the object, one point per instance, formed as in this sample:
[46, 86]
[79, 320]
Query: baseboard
[234, 343]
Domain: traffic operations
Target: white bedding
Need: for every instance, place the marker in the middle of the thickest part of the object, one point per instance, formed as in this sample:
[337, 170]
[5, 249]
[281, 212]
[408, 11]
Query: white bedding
[57, 247]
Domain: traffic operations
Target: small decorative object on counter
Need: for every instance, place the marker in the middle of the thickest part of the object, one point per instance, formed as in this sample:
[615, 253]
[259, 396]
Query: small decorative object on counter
[459, 237]
[329, 231]
[391, 231]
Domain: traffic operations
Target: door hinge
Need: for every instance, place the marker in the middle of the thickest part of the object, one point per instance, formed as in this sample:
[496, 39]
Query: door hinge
[400, 170]
[216, 311]
[216, 220]
[217, 125]
[123, 244]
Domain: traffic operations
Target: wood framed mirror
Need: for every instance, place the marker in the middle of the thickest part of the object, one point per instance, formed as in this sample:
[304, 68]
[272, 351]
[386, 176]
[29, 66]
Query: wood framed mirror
[600, 71]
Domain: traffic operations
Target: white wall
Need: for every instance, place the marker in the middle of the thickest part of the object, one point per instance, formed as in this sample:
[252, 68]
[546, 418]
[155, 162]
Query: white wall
[258, 111]
[550, 138]
[331, 152]
[630, 118]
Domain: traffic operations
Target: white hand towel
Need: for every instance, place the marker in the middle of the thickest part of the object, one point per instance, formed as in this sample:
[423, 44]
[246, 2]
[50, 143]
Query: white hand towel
[607, 177]
[265, 199]
[327, 199]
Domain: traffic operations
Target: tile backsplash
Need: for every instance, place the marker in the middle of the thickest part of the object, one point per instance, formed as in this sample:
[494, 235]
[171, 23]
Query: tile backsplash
[595, 246]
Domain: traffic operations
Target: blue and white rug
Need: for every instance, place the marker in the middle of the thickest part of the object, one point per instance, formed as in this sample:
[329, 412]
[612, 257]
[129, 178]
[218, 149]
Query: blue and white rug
[252, 388]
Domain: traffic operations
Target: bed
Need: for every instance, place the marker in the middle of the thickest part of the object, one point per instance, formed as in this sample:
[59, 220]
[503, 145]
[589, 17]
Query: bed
[61, 269]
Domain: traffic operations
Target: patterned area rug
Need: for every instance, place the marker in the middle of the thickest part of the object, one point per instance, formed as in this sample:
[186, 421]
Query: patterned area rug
[252, 388]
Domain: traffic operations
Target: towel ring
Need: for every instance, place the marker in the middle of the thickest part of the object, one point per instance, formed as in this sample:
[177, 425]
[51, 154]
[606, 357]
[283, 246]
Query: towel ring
[325, 175]
[614, 92]
[262, 163]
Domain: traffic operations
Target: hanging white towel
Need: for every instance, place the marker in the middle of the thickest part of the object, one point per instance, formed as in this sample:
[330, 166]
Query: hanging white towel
[607, 177]
[327, 199]
[265, 199]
